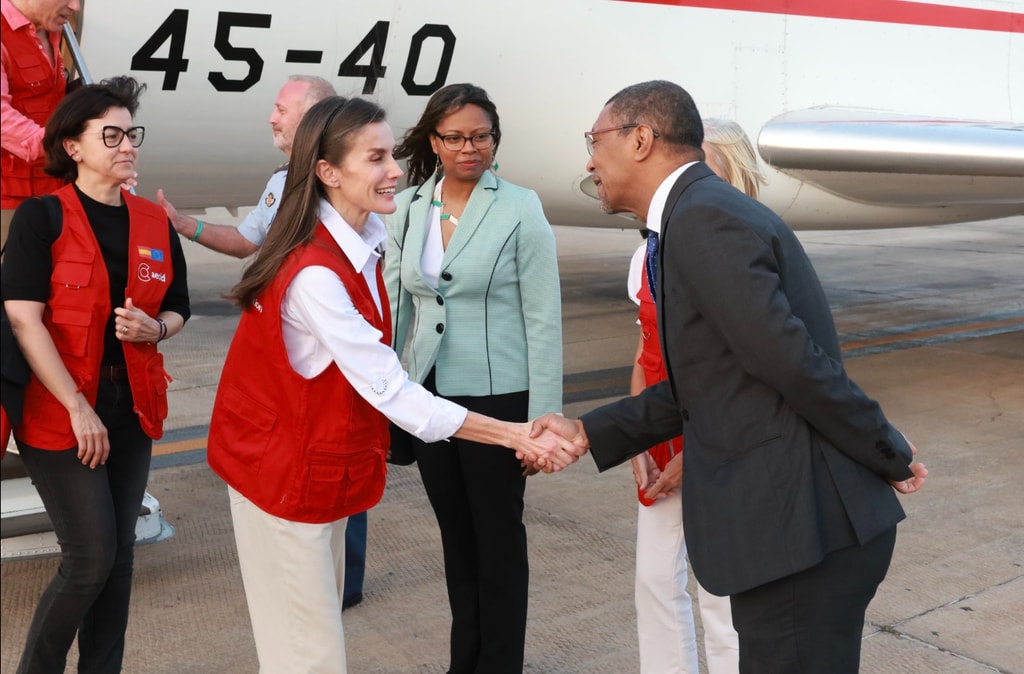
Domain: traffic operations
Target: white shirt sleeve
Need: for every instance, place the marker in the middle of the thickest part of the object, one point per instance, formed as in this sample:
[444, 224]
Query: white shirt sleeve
[256, 224]
[320, 324]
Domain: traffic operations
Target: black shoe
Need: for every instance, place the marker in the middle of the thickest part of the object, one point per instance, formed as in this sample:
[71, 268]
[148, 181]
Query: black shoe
[352, 600]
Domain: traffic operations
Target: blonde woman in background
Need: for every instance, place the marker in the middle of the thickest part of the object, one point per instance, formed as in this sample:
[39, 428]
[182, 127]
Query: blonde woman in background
[729, 153]
[664, 610]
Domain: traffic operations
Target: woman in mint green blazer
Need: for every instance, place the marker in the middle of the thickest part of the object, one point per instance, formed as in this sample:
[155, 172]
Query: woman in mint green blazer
[472, 277]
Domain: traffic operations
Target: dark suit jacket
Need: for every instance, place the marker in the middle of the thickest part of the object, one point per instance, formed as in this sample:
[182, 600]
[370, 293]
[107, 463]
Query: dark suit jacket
[785, 458]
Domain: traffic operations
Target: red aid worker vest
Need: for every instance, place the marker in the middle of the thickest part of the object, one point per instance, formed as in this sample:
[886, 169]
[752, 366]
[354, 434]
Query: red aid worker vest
[653, 366]
[36, 87]
[304, 450]
[77, 312]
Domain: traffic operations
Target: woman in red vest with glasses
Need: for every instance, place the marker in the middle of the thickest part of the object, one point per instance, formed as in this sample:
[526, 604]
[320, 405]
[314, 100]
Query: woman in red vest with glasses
[93, 279]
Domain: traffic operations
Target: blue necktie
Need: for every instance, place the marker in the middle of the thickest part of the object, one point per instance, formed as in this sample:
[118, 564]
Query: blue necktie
[651, 263]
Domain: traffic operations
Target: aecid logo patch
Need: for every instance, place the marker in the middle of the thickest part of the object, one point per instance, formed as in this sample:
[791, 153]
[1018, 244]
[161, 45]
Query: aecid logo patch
[145, 274]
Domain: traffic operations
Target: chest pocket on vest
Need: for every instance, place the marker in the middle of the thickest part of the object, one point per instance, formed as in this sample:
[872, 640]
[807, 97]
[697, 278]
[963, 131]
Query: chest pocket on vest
[35, 77]
[70, 318]
[72, 274]
[70, 330]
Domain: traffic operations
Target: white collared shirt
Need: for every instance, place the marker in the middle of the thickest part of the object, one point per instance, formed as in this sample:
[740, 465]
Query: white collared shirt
[654, 214]
[320, 324]
[433, 246]
[657, 207]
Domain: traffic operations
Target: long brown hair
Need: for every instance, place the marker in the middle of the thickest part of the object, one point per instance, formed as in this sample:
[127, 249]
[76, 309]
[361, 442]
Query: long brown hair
[325, 132]
[446, 100]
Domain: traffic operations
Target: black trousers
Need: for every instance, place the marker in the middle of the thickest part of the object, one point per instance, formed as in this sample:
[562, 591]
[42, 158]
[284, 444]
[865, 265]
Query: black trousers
[811, 622]
[94, 512]
[476, 492]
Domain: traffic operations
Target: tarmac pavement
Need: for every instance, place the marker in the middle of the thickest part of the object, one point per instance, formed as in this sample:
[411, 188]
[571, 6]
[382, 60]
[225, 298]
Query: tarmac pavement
[933, 325]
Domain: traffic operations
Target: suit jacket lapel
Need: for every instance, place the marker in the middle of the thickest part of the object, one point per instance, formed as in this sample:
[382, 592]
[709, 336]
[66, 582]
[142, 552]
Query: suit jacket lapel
[689, 177]
[472, 217]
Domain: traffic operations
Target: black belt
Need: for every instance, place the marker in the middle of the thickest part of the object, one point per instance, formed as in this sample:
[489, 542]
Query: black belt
[114, 373]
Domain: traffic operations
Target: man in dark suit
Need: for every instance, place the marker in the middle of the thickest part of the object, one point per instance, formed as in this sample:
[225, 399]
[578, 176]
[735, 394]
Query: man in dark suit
[789, 468]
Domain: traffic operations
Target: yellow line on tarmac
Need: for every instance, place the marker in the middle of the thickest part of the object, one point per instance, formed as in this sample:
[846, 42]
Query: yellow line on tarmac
[162, 448]
[177, 446]
[933, 332]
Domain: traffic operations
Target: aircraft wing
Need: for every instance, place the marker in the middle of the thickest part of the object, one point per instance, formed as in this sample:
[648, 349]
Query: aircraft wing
[891, 160]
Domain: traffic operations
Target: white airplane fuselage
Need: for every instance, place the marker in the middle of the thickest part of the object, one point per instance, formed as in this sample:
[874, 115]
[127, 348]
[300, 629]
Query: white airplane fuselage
[214, 68]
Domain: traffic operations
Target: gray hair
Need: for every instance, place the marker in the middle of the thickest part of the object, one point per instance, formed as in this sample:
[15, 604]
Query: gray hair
[318, 88]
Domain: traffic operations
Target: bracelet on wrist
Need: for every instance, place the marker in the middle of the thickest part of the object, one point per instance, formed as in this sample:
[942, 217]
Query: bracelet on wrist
[199, 230]
[163, 330]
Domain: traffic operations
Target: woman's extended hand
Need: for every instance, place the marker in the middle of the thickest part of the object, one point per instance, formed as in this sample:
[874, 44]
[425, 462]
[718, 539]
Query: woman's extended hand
[544, 448]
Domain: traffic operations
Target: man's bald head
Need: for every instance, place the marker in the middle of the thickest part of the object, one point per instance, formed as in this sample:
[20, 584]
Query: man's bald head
[299, 94]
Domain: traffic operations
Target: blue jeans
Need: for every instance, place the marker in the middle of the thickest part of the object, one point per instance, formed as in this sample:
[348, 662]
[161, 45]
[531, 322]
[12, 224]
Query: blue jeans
[94, 512]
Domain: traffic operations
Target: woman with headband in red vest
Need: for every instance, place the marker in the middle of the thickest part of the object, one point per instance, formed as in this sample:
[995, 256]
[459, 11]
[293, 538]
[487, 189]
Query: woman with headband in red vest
[300, 424]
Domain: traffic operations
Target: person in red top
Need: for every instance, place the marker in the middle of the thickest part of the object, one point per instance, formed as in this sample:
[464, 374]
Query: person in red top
[665, 625]
[299, 430]
[93, 279]
[32, 83]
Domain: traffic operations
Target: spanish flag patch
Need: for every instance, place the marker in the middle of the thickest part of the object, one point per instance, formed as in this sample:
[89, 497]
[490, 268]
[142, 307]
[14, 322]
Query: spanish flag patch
[151, 253]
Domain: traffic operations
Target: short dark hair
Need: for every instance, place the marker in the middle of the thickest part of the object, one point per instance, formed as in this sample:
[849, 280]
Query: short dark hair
[91, 101]
[416, 145]
[664, 106]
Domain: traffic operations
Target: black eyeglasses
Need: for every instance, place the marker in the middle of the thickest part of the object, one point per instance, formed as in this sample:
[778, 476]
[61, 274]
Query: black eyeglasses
[455, 142]
[113, 135]
[589, 135]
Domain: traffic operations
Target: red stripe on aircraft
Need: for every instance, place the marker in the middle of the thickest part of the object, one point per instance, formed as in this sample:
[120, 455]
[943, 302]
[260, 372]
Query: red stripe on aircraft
[881, 11]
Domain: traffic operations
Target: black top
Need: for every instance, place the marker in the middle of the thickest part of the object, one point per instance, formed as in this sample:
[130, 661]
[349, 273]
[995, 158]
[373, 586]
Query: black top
[28, 263]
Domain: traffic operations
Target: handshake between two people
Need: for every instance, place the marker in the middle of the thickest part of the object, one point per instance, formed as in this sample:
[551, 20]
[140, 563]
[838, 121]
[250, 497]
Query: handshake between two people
[550, 443]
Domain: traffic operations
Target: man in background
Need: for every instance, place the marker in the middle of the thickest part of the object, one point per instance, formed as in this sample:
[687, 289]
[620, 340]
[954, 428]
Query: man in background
[297, 96]
[32, 83]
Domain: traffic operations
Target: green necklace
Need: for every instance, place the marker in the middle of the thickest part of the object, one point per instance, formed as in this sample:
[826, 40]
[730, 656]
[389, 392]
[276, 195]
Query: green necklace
[445, 216]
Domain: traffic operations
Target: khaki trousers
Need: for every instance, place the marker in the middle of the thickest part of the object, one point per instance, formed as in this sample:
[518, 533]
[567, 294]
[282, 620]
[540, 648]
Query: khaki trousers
[294, 578]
